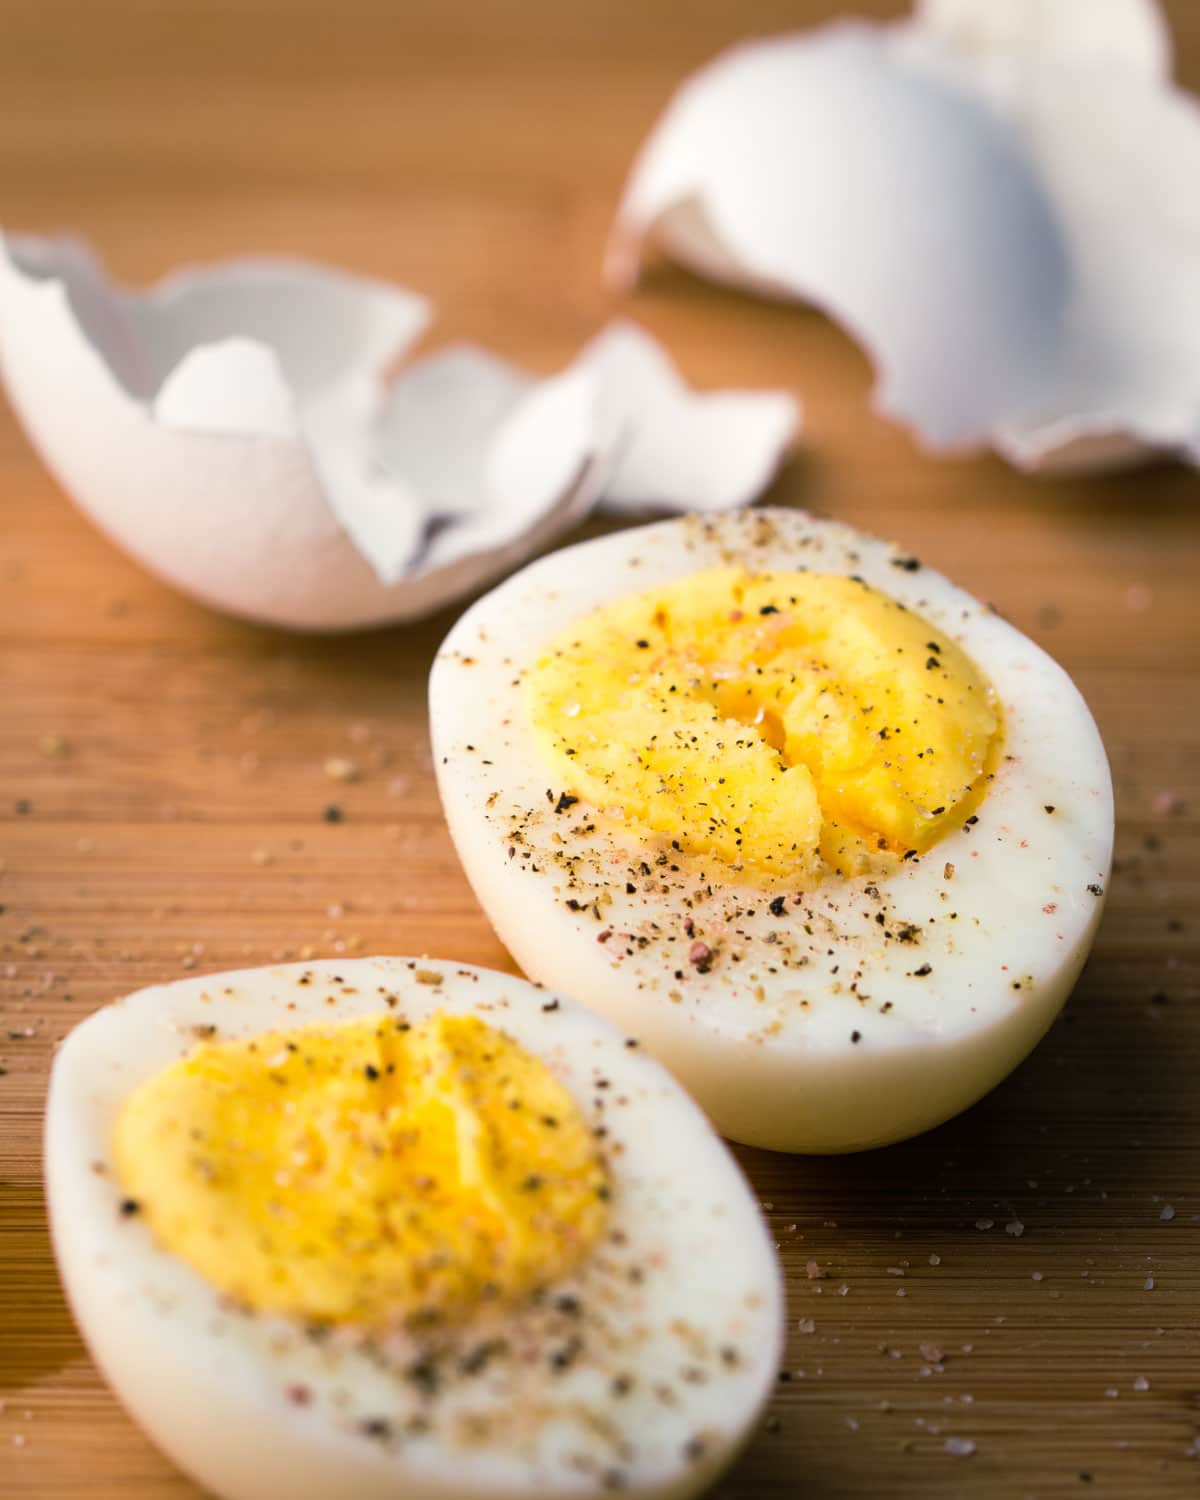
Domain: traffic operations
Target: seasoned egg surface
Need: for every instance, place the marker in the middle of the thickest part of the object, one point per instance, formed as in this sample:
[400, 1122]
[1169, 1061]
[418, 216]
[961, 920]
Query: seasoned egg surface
[395, 1228]
[823, 831]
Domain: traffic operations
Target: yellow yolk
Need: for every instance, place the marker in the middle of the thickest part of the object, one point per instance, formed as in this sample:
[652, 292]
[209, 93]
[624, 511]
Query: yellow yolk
[366, 1172]
[781, 722]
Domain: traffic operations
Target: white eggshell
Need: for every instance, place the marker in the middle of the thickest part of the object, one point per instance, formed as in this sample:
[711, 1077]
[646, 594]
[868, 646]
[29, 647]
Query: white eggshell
[832, 168]
[717, 448]
[1117, 155]
[233, 431]
[685, 1280]
[824, 1031]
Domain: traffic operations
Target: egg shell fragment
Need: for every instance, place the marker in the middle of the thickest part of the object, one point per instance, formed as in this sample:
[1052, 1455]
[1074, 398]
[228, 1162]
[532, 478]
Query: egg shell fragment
[860, 1012]
[1114, 152]
[831, 168]
[255, 1409]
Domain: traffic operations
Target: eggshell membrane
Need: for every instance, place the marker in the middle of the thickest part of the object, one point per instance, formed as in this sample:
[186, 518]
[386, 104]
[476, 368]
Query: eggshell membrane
[209, 1385]
[811, 1065]
[830, 168]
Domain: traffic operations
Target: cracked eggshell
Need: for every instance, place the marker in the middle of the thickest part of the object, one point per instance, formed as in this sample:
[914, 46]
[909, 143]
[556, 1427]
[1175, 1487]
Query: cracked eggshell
[833, 168]
[1117, 154]
[1085, 83]
[235, 518]
[232, 430]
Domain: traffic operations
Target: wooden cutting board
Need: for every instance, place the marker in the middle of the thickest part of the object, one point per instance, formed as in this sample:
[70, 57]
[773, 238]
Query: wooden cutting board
[161, 769]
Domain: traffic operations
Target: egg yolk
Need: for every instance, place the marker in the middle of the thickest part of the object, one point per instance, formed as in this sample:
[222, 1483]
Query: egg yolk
[784, 723]
[367, 1172]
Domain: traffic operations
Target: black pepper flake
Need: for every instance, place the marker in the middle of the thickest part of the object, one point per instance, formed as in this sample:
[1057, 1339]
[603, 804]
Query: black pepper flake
[931, 662]
[769, 609]
[972, 820]
[776, 907]
[923, 971]
[424, 1376]
[856, 1036]
[622, 1385]
[372, 1072]
[378, 1428]
[1096, 890]
[694, 1449]
[909, 564]
[551, 1005]
[642, 645]
[568, 1305]
[565, 802]
[130, 1207]
[333, 813]
[564, 1358]
[477, 1359]
[1049, 807]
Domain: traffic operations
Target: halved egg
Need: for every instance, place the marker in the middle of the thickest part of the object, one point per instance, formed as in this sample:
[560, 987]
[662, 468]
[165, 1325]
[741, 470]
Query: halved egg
[390, 1228]
[823, 831]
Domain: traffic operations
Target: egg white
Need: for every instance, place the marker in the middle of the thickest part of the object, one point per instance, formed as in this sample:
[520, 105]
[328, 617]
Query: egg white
[683, 1294]
[830, 1031]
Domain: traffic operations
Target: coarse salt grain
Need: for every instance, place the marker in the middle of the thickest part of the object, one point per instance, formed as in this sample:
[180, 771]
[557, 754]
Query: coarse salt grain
[958, 1447]
[342, 768]
[1167, 1214]
[985, 1223]
[1015, 1228]
[807, 1325]
[1140, 1383]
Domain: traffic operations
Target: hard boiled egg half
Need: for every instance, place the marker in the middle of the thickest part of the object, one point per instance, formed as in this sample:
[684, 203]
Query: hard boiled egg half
[823, 831]
[383, 1228]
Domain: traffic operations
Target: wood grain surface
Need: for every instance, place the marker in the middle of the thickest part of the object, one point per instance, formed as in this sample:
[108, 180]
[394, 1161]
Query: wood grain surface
[161, 769]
